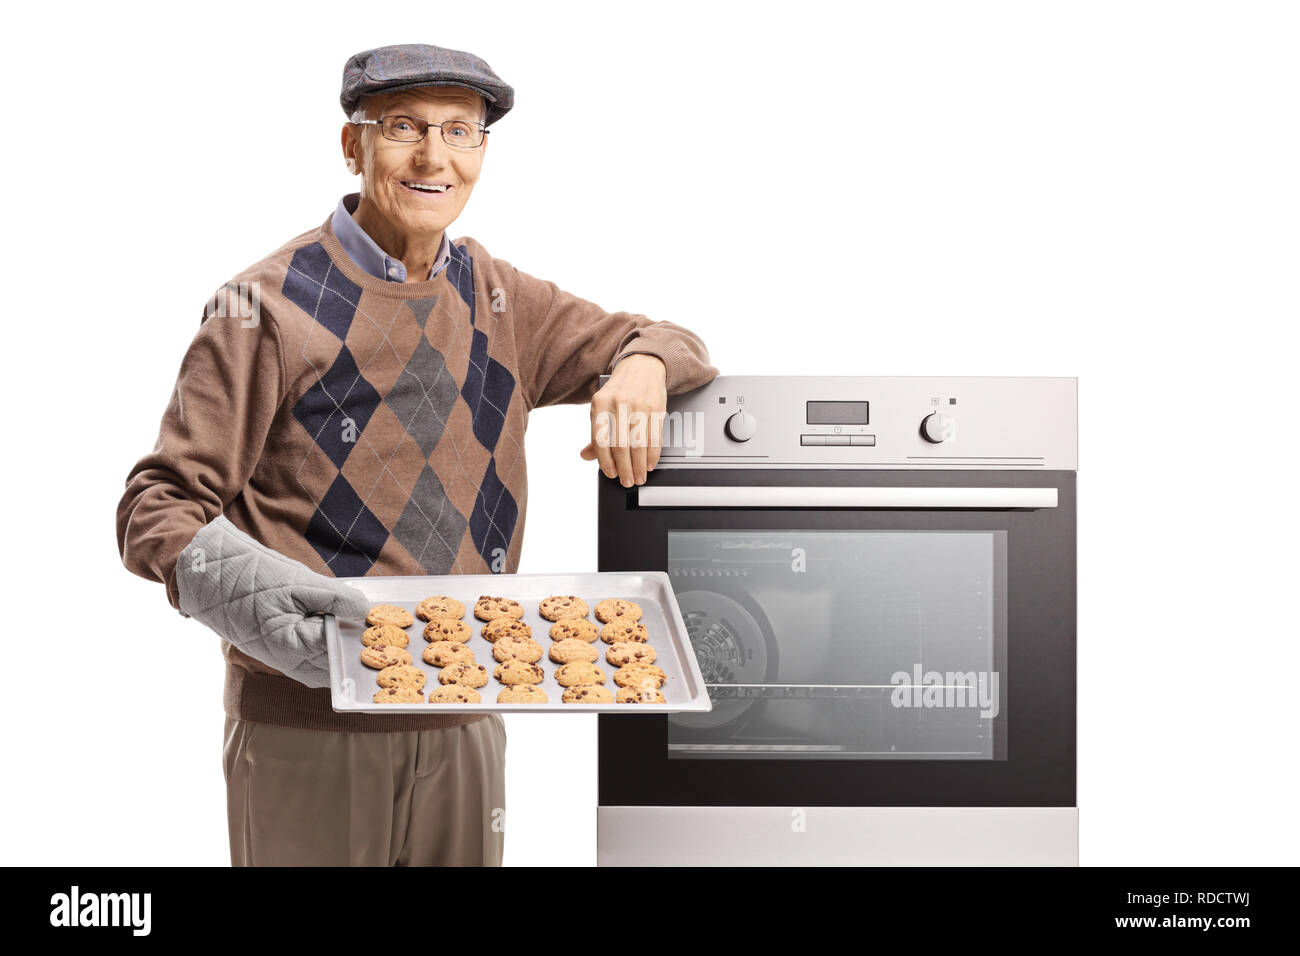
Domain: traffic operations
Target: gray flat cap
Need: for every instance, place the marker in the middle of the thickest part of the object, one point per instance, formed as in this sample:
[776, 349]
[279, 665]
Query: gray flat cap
[409, 65]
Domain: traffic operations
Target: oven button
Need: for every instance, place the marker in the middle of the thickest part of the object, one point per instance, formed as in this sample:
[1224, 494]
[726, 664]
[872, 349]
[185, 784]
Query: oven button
[812, 439]
[837, 439]
[741, 426]
[935, 428]
[862, 439]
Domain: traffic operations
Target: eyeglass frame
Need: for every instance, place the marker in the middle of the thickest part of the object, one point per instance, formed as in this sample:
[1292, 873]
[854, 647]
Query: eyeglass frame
[442, 128]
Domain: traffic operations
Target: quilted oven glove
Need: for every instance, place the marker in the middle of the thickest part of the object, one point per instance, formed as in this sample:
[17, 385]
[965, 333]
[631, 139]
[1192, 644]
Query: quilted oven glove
[263, 602]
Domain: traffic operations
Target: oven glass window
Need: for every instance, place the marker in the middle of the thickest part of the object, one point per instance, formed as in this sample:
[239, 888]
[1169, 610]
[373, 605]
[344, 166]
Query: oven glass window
[856, 645]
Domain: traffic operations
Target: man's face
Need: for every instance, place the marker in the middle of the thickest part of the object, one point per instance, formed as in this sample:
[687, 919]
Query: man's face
[387, 167]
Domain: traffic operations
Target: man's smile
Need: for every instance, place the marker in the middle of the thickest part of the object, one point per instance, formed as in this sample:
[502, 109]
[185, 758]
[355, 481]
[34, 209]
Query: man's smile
[429, 188]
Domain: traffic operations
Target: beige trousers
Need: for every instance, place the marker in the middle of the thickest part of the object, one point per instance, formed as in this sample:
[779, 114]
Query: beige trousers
[317, 798]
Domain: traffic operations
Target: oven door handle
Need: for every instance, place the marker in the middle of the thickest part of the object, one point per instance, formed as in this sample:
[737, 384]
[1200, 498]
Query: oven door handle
[756, 496]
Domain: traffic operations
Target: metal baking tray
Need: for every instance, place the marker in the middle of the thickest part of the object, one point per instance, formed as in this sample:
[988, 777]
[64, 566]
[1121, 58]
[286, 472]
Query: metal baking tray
[352, 684]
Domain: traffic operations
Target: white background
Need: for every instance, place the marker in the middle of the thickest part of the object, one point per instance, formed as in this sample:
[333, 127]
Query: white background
[1100, 190]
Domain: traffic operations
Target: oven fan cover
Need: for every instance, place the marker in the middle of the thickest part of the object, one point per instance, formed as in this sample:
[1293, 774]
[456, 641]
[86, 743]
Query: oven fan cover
[731, 647]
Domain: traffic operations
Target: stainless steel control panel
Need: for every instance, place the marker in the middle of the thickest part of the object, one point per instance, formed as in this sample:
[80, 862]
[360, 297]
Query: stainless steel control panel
[795, 421]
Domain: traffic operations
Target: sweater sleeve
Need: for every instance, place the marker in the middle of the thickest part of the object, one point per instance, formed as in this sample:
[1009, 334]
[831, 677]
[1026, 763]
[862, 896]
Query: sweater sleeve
[566, 343]
[213, 431]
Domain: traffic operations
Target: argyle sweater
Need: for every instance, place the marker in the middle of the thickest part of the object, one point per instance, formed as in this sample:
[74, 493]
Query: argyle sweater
[367, 427]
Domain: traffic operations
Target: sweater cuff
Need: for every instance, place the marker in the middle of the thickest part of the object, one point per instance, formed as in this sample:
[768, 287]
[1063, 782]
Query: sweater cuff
[640, 351]
[682, 370]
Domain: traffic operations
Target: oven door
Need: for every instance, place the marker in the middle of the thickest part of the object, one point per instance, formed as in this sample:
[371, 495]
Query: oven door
[870, 638]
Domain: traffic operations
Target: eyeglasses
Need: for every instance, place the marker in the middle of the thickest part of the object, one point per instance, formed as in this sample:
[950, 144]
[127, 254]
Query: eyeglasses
[409, 129]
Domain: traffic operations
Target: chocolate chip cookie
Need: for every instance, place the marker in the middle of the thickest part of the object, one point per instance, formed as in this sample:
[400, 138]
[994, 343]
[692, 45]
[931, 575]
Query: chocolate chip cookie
[402, 675]
[560, 607]
[588, 694]
[640, 675]
[401, 694]
[630, 652]
[579, 629]
[380, 656]
[471, 675]
[571, 650]
[446, 629]
[440, 606]
[454, 694]
[491, 607]
[518, 672]
[442, 653]
[630, 695]
[620, 631]
[522, 694]
[389, 614]
[618, 609]
[578, 673]
[389, 634]
[517, 648]
[505, 627]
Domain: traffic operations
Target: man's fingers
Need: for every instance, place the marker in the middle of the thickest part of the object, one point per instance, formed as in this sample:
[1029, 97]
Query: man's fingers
[600, 435]
[623, 459]
[588, 453]
[638, 464]
[605, 456]
[627, 441]
[656, 439]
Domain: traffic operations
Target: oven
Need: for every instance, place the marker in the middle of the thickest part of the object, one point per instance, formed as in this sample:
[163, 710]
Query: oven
[878, 578]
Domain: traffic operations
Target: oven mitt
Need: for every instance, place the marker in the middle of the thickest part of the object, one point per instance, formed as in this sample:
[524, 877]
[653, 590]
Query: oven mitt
[263, 602]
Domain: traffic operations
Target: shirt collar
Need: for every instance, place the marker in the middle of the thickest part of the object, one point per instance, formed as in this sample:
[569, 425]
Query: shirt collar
[367, 254]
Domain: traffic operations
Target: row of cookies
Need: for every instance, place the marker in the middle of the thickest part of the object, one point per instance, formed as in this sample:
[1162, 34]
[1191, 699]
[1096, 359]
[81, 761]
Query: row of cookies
[638, 679]
[513, 644]
[448, 649]
[515, 650]
[628, 640]
[384, 645]
[384, 648]
[573, 637]
[447, 635]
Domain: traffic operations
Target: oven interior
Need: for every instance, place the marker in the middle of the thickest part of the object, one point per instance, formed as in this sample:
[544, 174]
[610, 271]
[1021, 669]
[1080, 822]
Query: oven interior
[844, 644]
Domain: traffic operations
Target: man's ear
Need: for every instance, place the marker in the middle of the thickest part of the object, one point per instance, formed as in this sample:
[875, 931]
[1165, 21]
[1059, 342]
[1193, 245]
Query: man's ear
[350, 147]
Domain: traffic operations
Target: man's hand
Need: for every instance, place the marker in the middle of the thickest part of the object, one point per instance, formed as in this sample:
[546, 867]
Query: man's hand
[627, 417]
[264, 603]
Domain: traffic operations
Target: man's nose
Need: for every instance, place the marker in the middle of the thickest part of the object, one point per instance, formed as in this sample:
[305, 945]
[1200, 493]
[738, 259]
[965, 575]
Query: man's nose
[432, 150]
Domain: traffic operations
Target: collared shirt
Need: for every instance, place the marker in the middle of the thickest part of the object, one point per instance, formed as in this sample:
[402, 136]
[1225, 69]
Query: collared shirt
[365, 252]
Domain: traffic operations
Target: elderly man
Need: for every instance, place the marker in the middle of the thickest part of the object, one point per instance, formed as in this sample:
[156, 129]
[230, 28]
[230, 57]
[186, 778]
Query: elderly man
[355, 404]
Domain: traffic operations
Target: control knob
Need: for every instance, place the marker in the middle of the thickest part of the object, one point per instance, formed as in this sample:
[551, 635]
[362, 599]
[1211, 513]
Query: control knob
[741, 426]
[935, 428]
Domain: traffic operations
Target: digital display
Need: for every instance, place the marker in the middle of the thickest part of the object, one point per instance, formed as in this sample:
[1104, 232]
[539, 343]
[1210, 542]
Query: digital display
[838, 413]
